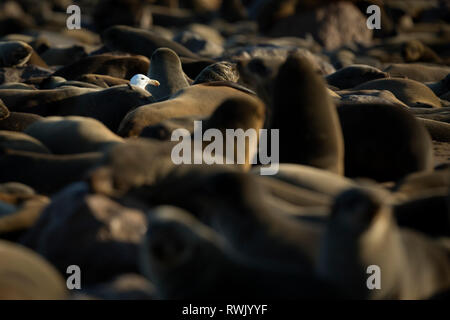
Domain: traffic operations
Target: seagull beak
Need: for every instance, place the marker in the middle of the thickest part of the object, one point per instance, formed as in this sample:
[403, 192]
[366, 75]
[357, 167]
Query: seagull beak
[154, 83]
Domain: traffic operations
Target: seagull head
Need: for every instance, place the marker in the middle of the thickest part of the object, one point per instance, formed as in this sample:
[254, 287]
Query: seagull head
[142, 81]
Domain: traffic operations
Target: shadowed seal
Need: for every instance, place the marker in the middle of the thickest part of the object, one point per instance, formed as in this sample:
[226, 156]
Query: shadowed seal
[14, 53]
[166, 68]
[25, 275]
[196, 100]
[412, 93]
[73, 134]
[175, 243]
[362, 232]
[354, 75]
[123, 67]
[139, 41]
[401, 146]
[306, 117]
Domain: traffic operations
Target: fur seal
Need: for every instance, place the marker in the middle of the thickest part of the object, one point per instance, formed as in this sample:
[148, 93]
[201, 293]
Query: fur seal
[123, 67]
[442, 114]
[412, 93]
[107, 13]
[108, 105]
[26, 74]
[415, 50]
[24, 275]
[18, 121]
[26, 212]
[192, 67]
[313, 179]
[17, 85]
[196, 100]
[409, 148]
[306, 117]
[238, 113]
[14, 53]
[63, 56]
[166, 68]
[220, 71]
[54, 82]
[46, 173]
[233, 204]
[127, 286]
[73, 134]
[440, 87]
[362, 232]
[369, 97]
[140, 41]
[174, 244]
[353, 75]
[108, 243]
[418, 183]
[163, 130]
[101, 80]
[439, 131]
[4, 112]
[417, 71]
[130, 165]
[21, 141]
[428, 213]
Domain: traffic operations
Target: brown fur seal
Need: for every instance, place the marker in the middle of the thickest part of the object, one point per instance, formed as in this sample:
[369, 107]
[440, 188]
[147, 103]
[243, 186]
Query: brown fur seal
[417, 71]
[193, 66]
[362, 232]
[368, 96]
[46, 173]
[18, 121]
[17, 85]
[412, 93]
[63, 56]
[108, 243]
[123, 67]
[415, 50]
[73, 134]
[166, 68]
[441, 87]
[428, 213]
[108, 105]
[220, 71]
[27, 210]
[353, 75]
[4, 112]
[306, 117]
[238, 113]
[409, 148]
[175, 243]
[199, 100]
[233, 204]
[102, 80]
[140, 41]
[24, 275]
[21, 141]
[439, 131]
[313, 179]
[14, 53]
[442, 114]
[132, 164]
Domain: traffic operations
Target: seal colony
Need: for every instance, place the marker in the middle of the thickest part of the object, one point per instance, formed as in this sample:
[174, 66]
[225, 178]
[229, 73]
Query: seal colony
[358, 207]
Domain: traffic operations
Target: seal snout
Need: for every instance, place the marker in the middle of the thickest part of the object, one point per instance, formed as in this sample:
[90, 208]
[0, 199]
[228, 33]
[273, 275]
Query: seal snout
[356, 208]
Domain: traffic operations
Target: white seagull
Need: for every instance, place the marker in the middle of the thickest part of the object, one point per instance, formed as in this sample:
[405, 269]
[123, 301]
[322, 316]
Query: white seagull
[142, 81]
